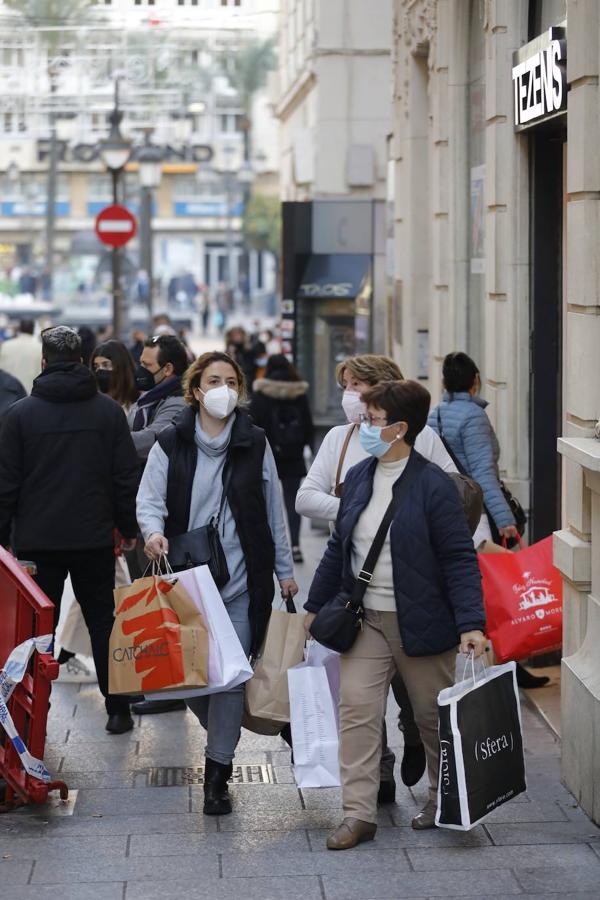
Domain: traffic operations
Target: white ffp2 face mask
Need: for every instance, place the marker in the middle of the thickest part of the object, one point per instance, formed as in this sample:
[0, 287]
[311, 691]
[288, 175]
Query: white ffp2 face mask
[220, 402]
[353, 406]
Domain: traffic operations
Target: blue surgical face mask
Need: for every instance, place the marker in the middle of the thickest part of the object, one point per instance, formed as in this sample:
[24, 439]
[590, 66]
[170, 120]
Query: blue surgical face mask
[371, 440]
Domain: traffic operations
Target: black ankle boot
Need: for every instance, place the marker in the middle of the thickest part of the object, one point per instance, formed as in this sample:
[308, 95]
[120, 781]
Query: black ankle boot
[527, 680]
[216, 793]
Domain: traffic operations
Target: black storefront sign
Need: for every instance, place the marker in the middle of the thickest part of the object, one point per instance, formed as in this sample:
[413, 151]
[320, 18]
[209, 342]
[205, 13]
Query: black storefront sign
[539, 76]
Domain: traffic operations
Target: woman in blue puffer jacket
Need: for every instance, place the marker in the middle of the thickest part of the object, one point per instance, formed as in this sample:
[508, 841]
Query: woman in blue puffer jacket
[463, 423]
[462, 419]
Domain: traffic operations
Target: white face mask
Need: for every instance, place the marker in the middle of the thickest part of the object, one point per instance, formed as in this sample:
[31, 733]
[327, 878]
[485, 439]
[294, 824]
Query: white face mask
[353, 406]
[220, 402]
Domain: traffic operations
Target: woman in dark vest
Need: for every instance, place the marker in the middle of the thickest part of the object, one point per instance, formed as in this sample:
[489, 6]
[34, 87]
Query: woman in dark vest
[279, 404]
[211, 447]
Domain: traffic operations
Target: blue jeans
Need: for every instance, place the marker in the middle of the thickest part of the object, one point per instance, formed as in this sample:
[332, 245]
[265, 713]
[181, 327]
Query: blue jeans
[221, 714]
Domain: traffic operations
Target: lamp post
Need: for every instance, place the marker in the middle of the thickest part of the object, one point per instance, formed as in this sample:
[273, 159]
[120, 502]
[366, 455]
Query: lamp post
[149, 158]
[115, 152]
[246, 176]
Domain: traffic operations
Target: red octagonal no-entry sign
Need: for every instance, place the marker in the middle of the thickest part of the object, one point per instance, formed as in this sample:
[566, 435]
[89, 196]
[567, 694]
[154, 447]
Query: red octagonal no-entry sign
[115, 225]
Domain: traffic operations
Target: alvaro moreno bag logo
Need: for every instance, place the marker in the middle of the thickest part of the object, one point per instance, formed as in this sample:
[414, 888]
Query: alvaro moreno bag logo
[534, 592]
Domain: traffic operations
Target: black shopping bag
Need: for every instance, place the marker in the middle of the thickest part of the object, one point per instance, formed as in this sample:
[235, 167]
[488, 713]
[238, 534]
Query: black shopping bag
[481, 747]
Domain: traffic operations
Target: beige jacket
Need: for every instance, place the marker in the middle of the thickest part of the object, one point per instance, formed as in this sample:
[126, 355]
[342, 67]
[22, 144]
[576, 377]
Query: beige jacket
[21, 356]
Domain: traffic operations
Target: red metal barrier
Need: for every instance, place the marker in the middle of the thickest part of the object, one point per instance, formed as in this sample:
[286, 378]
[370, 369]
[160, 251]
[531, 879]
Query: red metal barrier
[25, 612]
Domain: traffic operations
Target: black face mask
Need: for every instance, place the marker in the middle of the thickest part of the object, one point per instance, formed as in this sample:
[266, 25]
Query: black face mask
[103, 380]
[144, 379]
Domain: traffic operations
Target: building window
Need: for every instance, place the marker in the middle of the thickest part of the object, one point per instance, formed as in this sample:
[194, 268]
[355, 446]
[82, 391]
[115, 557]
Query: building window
[476, 155]
[231, 2]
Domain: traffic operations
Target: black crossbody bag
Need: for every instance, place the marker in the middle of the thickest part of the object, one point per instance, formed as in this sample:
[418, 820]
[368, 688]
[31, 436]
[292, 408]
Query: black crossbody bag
[337, 623]
[202, 546]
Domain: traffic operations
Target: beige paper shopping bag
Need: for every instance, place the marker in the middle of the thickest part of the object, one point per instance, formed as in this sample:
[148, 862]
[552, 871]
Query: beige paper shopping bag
[267, 695]
[159, 640]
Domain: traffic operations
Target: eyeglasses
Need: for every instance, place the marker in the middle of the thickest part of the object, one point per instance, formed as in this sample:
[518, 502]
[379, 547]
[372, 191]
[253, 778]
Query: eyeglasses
[367, 419]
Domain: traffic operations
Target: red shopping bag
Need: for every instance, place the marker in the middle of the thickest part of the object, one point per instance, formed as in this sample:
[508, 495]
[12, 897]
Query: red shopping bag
[522, 593]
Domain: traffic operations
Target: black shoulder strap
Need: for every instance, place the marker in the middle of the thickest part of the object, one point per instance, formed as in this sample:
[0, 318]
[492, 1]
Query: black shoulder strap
[449, 449]
[227, 473]
[365, 576]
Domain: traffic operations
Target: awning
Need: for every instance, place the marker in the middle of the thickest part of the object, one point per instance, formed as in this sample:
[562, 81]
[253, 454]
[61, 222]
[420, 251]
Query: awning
[335, 275]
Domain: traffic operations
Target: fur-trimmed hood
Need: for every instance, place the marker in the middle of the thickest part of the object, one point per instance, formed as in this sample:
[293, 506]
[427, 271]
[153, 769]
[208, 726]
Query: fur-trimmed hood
[280, 390]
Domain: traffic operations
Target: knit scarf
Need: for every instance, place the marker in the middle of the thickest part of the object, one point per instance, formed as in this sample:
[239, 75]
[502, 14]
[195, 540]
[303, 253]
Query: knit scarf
[170, 387]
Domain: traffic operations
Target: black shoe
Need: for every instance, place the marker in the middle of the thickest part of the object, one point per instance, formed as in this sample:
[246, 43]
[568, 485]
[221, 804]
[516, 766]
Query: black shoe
[413, 764]
[526, 680]
[386, 793]
[119, 723]
[286, 734]
[216, 793]
[154, 707]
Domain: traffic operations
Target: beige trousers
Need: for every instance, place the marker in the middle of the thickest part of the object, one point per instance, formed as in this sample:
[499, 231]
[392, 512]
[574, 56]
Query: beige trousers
[366, 671]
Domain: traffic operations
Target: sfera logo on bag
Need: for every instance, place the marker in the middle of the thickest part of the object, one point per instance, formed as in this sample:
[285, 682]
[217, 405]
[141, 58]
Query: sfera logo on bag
[492, 746]
[445, 765]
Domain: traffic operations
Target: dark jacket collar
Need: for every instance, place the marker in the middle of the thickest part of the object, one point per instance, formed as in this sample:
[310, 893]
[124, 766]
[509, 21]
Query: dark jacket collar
[65, 382]
[241, 433]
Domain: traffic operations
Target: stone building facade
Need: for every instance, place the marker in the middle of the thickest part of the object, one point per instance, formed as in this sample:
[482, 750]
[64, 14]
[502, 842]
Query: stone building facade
[495, 237]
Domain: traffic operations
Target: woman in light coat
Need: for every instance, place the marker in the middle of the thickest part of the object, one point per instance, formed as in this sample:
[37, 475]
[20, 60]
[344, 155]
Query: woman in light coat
[462, 418]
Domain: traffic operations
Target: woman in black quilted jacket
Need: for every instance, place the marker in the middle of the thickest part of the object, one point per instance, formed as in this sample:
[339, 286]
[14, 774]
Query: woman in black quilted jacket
[279, 405]
[422, 598]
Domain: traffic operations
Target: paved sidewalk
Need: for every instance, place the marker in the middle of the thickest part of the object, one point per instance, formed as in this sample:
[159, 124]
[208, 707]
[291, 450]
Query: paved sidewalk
[123, 839]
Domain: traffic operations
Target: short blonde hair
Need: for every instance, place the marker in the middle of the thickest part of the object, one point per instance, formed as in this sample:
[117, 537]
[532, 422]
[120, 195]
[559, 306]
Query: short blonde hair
[369, 368]
[193, 376]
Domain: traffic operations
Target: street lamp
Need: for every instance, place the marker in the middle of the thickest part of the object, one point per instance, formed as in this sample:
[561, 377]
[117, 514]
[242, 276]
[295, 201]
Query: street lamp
[115, 152]
[149, 159]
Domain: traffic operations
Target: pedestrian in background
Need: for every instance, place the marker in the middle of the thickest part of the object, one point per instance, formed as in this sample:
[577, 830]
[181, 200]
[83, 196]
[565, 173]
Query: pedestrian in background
[279, 405]
[467, 430]
[214, 461]
[114, 368]
[158, 378]
[21, 356]
[89, 339]
[68, 479]
[423, 600]
[11, 390]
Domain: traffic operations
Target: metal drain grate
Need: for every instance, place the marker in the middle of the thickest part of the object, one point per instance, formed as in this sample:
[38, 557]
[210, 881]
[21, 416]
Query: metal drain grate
[177, 776]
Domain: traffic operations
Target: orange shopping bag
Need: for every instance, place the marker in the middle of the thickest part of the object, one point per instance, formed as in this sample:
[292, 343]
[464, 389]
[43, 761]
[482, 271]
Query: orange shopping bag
[522, 594]
[159, 639]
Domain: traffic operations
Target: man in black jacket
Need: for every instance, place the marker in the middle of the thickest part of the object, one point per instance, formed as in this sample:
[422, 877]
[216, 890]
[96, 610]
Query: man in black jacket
[68, 479]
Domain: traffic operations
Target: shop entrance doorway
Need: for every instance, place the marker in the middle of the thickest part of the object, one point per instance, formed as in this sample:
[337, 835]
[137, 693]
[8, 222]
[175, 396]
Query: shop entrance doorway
[547, 149]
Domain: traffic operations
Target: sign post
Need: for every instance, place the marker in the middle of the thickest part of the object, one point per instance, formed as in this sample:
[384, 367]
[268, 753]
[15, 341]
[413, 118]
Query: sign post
[115, 226]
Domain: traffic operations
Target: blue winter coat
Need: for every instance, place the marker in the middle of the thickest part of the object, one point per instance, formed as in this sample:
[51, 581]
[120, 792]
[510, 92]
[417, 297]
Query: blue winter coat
[473, 441]
[436, 576]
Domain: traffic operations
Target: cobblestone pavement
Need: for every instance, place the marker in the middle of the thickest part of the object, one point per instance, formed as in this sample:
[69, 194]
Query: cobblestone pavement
[123, 839]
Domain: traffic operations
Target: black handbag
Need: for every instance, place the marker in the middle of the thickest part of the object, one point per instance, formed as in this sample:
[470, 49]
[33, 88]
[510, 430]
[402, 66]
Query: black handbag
[337, 623]
[202, 546]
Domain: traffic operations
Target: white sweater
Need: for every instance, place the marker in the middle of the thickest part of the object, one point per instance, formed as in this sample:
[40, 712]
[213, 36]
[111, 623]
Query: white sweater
[380, 593]
[316, 498]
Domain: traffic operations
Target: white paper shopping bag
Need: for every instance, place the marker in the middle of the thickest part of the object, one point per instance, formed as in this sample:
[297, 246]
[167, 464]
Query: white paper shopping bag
[228, 665]
[314, 727]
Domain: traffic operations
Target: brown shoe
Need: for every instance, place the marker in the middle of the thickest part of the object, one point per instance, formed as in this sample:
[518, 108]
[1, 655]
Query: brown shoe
[350, 833]
[426, 818]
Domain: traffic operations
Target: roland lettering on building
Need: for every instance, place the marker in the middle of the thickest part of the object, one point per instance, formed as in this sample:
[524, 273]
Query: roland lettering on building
[539, 76]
